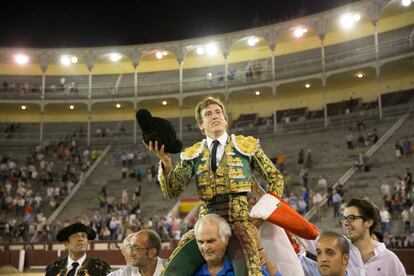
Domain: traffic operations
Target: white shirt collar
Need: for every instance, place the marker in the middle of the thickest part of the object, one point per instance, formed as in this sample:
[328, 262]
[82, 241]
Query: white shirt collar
[70, 262]
[222, 139]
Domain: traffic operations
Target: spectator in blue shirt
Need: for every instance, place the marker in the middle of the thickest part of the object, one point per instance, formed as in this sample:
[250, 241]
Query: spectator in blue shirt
[213, 233]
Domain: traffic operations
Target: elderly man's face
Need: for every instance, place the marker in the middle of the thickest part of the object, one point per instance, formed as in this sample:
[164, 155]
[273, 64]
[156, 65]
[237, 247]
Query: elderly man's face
[77, 242]
[330, 259]
[210, 244]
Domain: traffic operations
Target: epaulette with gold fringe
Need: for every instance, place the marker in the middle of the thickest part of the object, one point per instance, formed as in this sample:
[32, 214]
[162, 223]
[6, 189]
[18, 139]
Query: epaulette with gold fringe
[246, 145]
[193, 151]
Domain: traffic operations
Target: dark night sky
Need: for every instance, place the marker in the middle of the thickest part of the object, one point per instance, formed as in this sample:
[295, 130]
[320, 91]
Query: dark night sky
[85, 23]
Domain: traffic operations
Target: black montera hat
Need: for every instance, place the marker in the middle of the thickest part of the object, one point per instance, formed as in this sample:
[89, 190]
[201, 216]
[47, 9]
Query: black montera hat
[63, 235]
[158, 129]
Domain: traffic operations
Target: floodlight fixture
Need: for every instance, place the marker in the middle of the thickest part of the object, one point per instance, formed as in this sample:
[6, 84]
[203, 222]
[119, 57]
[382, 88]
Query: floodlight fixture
[65, 60]
[71, 107]
[23, 107]
[406, 3]
[299, 32]
[257, 93]
[118, 105]
[307, 85]
[21, 59]
[252, 41]
[200, 51]
[115, 57]
[211, 49]
[164, 102]
[74, 59]
[159, 55]
[348, 20]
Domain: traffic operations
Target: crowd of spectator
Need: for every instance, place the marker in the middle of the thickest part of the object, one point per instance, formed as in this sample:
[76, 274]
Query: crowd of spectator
[33, 188]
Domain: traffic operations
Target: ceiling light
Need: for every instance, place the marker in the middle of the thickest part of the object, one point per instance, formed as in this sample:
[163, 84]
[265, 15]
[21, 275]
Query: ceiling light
[257, 93]
[211, 49]
[21, 59]
[164, 102]
[115, 57]
[64, 60]
[71, 107]
[159, 55]
[360, 75]
[118, 105]
[348, 20]
[200, 51]
[307, 85]
[23, 107]
[299, 32]
[74, 59]
[252, 41]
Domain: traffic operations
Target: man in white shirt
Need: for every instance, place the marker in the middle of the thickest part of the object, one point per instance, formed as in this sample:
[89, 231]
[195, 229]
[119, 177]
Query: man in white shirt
[367, 257]
[125, 250]
[142, 255]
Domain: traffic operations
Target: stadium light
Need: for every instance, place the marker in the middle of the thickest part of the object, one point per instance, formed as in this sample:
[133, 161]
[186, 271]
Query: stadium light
[159, 55]
[71, 107]
[64, 60]
[360, 75]
[406, 3]
[348, 20]
[200, 51]
[298, 32]
[118, 105]
[307, 85]
[211, 49]
[115, 57]
[23, 107]
[164, 102]
[257, 93]
[252, 41]
[74, 59]
[21, 59]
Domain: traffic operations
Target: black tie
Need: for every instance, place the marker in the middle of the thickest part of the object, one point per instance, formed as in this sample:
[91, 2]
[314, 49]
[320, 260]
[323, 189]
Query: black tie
[214, 156]
[73, 270]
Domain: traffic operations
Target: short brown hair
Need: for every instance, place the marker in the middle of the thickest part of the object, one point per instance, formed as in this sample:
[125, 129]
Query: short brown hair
[206, 102]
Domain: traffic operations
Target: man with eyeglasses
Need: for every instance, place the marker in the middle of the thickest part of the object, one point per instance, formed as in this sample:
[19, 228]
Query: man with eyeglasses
[143, 250]
[126, 252]
[367, 257]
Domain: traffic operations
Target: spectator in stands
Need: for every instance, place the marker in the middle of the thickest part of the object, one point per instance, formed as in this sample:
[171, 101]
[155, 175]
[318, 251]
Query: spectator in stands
[196, 161]
[361, 141]
[336, 202]
[281, 160]
[406, 147]
[76, 238]
[408, 179]
[332, 251]
[213, 233]
[406, 218]
[385, 220]
[349, 140]
[301, 159]
[322, 183]
[126, 252]
[398, 150]
[359, 220]
[308, 159]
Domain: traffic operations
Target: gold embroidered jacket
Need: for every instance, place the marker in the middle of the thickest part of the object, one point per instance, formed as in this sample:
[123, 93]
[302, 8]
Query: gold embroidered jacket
[233, 175]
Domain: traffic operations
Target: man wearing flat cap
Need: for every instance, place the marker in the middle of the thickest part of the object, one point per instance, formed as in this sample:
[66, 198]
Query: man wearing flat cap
[76, 239]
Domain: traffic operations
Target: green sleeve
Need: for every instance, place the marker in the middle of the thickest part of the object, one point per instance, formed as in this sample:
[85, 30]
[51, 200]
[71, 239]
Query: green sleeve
[173, 184]
[269, 172]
